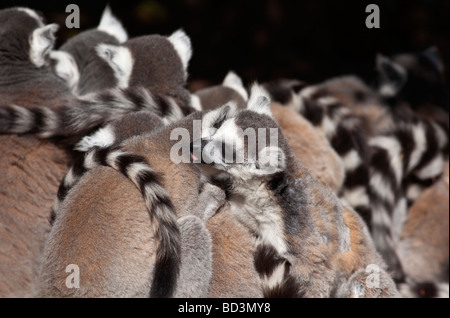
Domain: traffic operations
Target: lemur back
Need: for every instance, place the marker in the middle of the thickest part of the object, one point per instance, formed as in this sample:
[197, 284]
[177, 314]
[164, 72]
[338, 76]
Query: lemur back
[155, 149]
[423, 246]
[30, 169]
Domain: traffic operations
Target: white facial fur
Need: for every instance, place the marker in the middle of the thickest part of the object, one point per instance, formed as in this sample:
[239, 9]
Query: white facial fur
[270, 159]
[182, 45]
[41, 43]
[66, 68]
[120, 60]
[111, 25]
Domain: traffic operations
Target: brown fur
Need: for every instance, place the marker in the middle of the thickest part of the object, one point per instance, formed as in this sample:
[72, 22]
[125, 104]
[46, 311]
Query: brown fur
[30, 172]
[234, 273]
[103, 207]
[424, 244]
[331, 262]
[310, 146]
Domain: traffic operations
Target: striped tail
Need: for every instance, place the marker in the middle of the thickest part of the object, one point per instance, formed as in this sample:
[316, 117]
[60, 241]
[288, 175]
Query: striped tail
[344, 132]
[273, 271]
[157, 201]
[402, 163]
[87, 112]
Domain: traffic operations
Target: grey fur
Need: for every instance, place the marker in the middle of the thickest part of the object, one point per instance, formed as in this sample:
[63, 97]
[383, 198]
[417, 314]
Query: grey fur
[282, 211]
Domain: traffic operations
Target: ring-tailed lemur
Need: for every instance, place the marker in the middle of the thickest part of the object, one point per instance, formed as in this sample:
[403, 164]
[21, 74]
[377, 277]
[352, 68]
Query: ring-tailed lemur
[412, 85]
[231, 89]
[135, 159]
[30, 169]
[343, 130]
[78, 62]
[308, 242]
[307, 143]
[420, 143]
[148, 87]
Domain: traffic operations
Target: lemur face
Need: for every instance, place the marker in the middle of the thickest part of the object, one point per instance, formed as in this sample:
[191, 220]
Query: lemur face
[242, 143]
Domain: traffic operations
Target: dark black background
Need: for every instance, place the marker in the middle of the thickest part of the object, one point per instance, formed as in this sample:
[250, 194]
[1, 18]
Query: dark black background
[269, 39]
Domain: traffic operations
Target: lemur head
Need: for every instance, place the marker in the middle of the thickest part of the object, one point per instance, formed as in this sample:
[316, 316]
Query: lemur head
[245, 143]
[417, 78]
[149, 60]
[24, 38]
[78, 63]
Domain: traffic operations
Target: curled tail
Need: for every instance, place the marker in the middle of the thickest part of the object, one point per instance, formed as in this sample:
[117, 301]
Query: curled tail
[273, 270]
[157, 201]
[87, 112]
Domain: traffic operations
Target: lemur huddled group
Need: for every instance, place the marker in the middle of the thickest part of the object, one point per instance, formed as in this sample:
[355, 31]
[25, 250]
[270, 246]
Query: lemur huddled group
[343, 194]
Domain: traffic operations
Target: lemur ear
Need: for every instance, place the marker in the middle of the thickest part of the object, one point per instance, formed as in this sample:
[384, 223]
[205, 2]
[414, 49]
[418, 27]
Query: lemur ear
[42, 41]
[392, 76]
[233, 81]
[120, 60]
[65, 68]
[111, 25]
[215, 118]
[270, 160]
[259, 101]
[433, 54]
[182, 44]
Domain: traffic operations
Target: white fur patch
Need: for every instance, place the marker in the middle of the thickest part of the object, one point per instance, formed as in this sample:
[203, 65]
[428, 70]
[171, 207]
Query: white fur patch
[135, 169]
[50, 122]
[89, 162]
[351, 160]
[327, 101]
[382, 187]
[66, 68]
[381, 218]
[41, 43]
[328, 127]
[413, 192]
[442, 137]
[104, 137]
[399, 218]
[276, 278]
[420, 141]
[394, 149]
[120, 60]
[356, 197]
[195, 102]
[69, 178]
[23, 121]
[182, 44]
[233, 81]
[307, 92]
[111, 25]
[175, 111]
[433, 169]
[259, 101]
[32, 14]
[388, 90]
